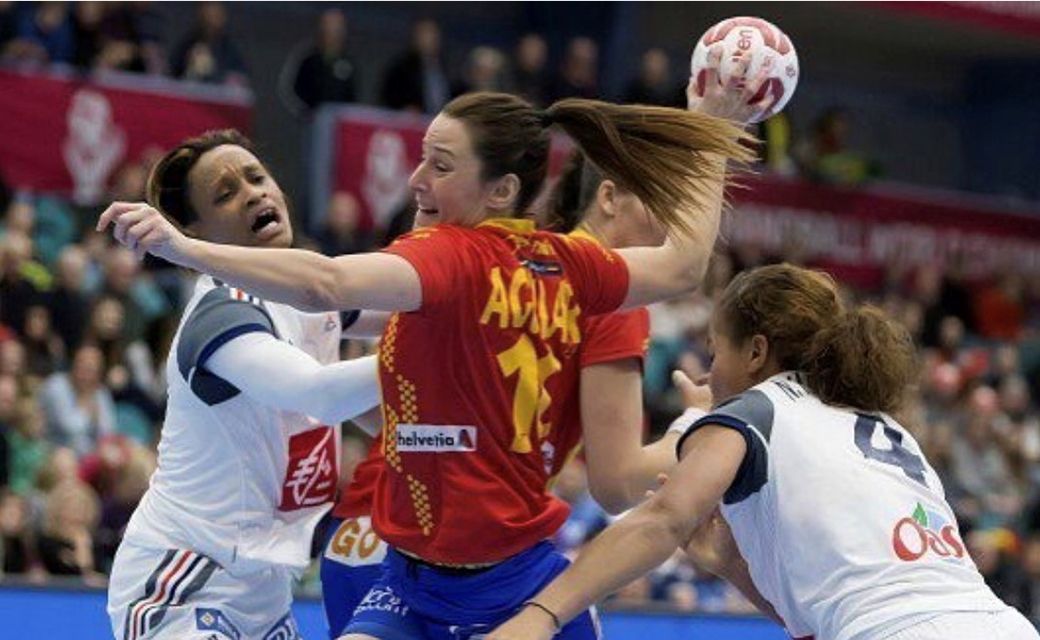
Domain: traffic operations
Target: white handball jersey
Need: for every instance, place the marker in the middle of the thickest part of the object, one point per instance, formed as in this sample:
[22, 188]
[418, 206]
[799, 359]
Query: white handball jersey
[842, 522]
[238, 481]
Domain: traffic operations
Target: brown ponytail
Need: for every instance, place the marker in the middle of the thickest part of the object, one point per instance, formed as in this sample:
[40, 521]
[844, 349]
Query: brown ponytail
[659, 154]
[857, 358]
[666, 157]
[863, 359]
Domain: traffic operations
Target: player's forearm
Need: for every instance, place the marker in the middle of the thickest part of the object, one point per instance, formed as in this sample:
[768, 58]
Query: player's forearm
[282, 377]
[637, 473]
[303, 279]
[680, 264]
[648, 540]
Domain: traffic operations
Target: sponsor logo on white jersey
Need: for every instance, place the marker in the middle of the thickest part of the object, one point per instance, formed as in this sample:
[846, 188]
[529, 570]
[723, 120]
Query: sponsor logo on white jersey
[435, 438]
[926, 533]
[312, 472]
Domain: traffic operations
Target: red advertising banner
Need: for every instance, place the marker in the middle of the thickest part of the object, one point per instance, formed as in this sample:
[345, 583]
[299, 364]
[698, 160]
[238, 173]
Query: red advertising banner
[68, 134]
[1020, 18]
[855, 233]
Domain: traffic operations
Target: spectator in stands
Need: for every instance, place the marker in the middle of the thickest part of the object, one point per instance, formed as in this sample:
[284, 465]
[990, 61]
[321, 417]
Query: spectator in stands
[78, 407]
[29, 448]
[130, 478]
[417, 80]
[87, 39]
[68, 300]
[530, 75]
[654, 84]
[828, 158]
[999, 309]
[1031, 571]
[8, 404]
[340, 233]
[1020, 427]
[43, 33]
[129, 183]
[129, 372]
[324, 72]
[16, 552]
[12, 361]
[993, 551]
[8, 31]
[485, 71]
[20, 217]
[44, 348]
[208, 54]
[123, 282]
[980, 466]
[66, 541]
[579, 74]
[61, 466]
[110, 36]
[142, 24]
[22, 279]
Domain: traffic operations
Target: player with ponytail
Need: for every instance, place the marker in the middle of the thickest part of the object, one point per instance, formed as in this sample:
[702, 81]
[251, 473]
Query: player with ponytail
[842, 523]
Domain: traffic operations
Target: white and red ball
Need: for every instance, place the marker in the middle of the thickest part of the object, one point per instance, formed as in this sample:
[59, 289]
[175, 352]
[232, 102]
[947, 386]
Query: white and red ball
[762, 40]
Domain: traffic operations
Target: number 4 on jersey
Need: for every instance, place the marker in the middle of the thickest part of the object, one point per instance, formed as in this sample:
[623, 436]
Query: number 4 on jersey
[897, 455]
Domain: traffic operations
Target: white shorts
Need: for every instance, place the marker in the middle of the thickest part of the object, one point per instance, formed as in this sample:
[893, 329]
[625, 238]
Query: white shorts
[166, 594]
[1008, 624]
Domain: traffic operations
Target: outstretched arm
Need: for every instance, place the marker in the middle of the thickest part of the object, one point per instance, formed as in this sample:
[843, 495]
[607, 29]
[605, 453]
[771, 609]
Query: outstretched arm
[303, 279]
[282, 377]
[648, 535]
[678, 266]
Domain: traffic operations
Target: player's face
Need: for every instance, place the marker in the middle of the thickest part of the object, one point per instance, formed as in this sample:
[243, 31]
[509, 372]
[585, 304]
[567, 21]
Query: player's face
[729, 373]
[237, 200]
[447, 183]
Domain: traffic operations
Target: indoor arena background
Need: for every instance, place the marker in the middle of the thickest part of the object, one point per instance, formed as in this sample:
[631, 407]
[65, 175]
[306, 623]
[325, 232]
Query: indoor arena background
[906, 164]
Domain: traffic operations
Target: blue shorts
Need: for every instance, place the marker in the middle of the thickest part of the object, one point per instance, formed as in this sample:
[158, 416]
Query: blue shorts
[414, 601]
[351, 563]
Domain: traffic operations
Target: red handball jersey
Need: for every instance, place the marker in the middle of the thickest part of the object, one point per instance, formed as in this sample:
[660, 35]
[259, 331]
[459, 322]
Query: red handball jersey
[356, 500]
[607, 338]
[467, 410]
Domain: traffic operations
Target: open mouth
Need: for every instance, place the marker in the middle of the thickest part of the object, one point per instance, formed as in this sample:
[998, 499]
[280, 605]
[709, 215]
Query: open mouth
[427, 211]
[266, 218]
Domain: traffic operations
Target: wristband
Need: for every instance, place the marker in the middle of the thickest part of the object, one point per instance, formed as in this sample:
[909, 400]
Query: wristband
[681, 424]
[547, 610]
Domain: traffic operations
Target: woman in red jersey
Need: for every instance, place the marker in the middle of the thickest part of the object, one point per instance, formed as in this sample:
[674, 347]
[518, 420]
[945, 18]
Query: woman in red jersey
[486, 311]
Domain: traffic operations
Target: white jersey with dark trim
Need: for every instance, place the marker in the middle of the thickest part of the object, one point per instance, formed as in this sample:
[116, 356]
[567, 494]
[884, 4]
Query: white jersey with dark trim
[238, 481]
[843, 524]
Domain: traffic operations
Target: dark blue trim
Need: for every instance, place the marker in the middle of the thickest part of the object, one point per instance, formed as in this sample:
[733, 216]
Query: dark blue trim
[226, 336]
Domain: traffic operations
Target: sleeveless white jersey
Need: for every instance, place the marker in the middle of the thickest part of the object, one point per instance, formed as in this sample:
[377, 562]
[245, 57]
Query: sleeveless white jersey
[842, 522]
[238, 481]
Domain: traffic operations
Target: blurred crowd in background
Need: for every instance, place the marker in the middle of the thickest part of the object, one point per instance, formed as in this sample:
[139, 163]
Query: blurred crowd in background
[85, 327]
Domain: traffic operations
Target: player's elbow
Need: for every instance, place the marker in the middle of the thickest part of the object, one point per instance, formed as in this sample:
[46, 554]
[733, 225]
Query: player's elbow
[692, 274]
[612, 495]
[672, 520]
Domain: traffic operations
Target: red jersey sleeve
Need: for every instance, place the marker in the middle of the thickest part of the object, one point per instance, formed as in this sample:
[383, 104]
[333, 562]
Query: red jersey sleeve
[600, 276]
[435, 255]
[616, 336]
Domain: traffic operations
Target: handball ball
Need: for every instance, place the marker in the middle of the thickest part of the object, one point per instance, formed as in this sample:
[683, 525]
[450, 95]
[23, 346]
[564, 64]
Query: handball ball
[762, 40]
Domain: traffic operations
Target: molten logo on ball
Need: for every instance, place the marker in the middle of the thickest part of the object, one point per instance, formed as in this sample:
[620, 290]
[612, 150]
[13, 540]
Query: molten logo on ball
[765, 43]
